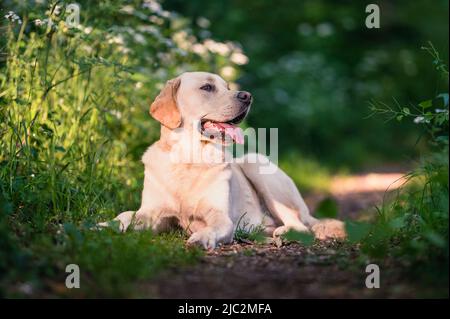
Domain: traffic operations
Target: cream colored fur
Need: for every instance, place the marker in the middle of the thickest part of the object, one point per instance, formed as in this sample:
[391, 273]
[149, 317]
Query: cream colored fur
[209, 199]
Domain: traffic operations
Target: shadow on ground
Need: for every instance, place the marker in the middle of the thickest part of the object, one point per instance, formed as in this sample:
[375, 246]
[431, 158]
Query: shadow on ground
[324, 270]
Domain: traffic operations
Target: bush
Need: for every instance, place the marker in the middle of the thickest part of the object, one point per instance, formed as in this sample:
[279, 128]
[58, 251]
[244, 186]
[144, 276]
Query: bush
[413, 228]
[74, 115]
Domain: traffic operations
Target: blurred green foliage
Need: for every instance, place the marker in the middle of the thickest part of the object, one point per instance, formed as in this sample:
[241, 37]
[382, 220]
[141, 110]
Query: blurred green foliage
[305, 239]
[412, 229]
[327, 208]
[314, 66]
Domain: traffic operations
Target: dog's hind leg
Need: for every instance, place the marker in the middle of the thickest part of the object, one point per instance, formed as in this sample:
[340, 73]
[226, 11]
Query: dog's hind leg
[279, 194]
[284, 201]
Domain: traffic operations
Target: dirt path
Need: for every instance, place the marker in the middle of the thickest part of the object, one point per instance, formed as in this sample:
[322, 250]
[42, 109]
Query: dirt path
[325, 270]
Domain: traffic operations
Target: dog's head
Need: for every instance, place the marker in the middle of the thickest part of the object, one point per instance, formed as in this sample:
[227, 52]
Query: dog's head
[206, 101]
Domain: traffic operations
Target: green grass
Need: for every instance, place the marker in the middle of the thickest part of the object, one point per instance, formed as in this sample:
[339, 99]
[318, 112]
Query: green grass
[413, 227]
[111, 264]
[74, 123]
[249, 233]
[411, 231]
[306, 173]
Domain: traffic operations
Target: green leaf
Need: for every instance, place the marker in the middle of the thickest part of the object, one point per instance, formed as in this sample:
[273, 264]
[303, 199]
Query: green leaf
[327, 208]
[6, 207]
[399, 118]
[442, 139]
[426, 104]
[435, 239]
[73, 233]
[444, 97]
[357, 230]
[303, 238]
[397, 223]
[46, 129]
[406, 111]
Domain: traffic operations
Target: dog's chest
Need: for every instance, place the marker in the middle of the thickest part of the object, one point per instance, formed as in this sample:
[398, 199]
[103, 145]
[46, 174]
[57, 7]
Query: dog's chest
[187, 186]
[196, 180]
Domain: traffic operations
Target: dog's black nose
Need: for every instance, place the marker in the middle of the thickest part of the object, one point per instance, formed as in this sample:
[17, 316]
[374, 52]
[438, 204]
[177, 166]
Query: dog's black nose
[244, 96]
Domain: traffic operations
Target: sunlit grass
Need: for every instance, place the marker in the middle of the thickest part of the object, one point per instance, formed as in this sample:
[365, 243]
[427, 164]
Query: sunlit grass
[308, 175]
[74, 123]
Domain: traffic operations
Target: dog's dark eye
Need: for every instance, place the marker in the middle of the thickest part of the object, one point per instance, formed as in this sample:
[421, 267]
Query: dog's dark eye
[207, 87]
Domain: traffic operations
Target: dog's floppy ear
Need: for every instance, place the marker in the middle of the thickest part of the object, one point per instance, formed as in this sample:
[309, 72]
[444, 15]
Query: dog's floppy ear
[164, 108]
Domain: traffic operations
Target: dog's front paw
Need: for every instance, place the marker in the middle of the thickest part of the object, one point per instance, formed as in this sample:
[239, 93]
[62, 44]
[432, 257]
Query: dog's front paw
[123, 220]
[329, 229]
[205, 238]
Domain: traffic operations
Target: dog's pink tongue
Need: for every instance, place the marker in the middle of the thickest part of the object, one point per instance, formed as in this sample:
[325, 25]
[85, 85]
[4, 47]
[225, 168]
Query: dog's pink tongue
[234, 132]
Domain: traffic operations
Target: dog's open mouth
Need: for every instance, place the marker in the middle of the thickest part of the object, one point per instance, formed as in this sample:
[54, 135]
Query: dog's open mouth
[224, 131]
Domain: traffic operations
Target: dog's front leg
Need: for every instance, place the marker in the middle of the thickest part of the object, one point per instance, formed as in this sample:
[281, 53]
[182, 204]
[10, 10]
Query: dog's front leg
[124, 219]
[218, 229]
[157, 212]
[158, 220]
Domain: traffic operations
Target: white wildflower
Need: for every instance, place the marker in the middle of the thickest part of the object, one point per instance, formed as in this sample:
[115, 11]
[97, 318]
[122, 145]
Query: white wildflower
[127, 9]
[228, 72]
[150, 29]
[202, 22]
[156, 20]
[441, 110]
[217, 47]
[9, 15]
[117, 114]
[153, 6]
[421, 119]
[165, 14]
[57, 10]
[118, 39]
[88, 49]
[124, 50]
[139, 38]
[181, 38]
[88, 30]
[239, 58]
[199, 49]
[13, 17]
[38, 22]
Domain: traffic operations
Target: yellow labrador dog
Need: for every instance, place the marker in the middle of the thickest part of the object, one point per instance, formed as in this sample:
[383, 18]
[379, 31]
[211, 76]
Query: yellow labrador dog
[199, 115]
